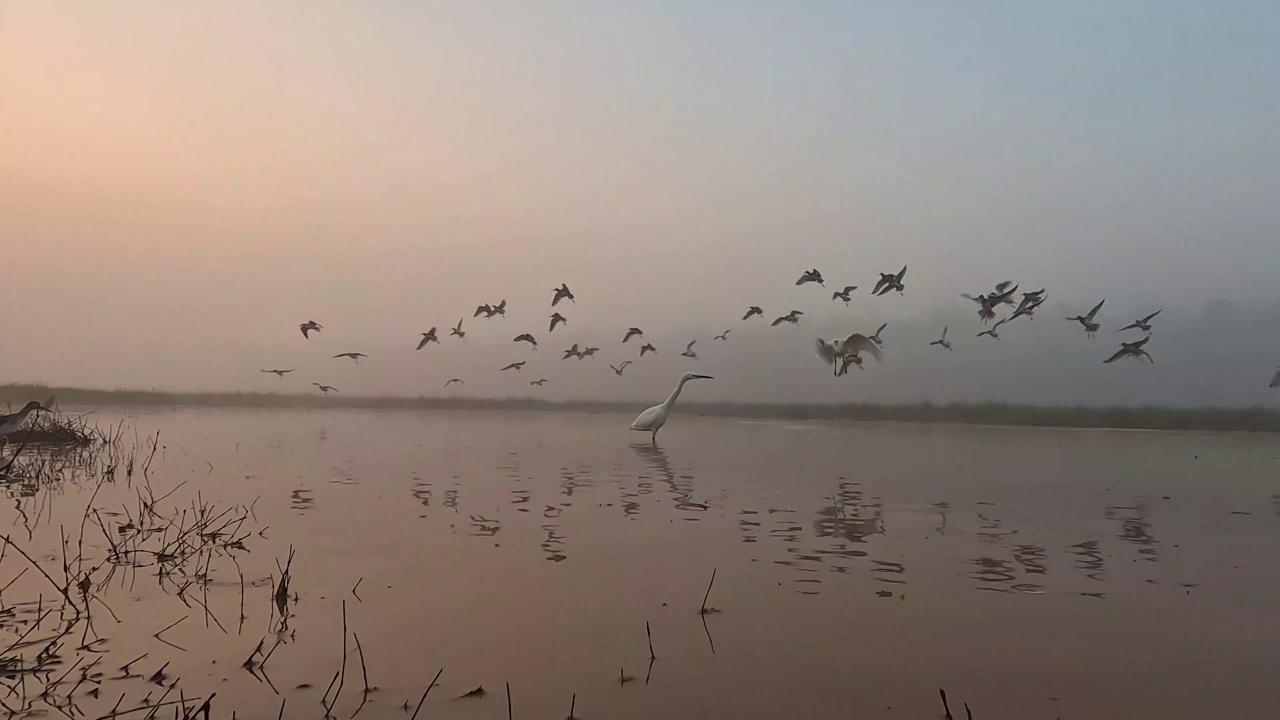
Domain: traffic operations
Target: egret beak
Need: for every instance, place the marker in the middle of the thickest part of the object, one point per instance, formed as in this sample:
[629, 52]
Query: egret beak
[704, 377]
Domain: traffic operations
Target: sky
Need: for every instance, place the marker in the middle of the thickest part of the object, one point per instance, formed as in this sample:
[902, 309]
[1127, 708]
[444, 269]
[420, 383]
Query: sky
[182, 184]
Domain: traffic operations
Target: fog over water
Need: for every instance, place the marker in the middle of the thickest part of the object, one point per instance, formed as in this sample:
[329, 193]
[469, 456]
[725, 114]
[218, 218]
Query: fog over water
[183, 185]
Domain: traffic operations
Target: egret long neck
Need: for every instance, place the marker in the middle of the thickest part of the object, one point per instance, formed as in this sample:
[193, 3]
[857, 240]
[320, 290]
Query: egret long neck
[671, 399]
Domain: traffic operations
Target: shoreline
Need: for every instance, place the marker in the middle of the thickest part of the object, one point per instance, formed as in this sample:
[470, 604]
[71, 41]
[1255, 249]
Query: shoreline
[1213, 419]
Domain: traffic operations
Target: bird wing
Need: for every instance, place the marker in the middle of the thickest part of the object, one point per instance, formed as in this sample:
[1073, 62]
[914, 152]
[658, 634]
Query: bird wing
[423, 342]
[1094, 311]
[1140, 343]
[626, 363]
[689, 347]
[879, 285]
[881, 328]
[1001, 286]
[902, 273]
[848, 289]
[1119, 354]
[858, 342]
[826, 351]
[1275, 381]
[1147, 319]
[778, 322]
[944, 333]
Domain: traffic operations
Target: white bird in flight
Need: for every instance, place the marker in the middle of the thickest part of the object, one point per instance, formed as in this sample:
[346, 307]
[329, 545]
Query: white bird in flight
[652, 420]
[876, 338]
[1090, 327]
[840, 354]
[688, 350]
[843, 294]
[618, 370]
[457, 331]
[943, 341]
[310, 326]
[724, 335]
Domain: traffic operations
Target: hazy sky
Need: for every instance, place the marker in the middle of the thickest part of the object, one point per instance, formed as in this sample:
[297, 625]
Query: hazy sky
[181, 184]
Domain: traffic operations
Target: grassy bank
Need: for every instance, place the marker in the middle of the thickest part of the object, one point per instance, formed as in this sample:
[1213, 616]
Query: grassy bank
[1148, 418]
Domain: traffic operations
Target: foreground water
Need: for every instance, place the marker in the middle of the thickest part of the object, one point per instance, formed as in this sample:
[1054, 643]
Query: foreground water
[858, 568]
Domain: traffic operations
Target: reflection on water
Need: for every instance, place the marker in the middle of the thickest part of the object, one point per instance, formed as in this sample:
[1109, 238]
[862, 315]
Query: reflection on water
[804, 550]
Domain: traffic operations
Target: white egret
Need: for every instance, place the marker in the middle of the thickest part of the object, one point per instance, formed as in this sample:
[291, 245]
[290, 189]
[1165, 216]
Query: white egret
[652, 420]
[847, 352]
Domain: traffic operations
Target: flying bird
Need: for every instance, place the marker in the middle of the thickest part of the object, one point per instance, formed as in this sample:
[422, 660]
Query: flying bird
[792, 317]
[499, 309]
[688, 350]
[539, 382]
[326, 389]
[1002, 297]
[526, 337]
[647, 348]
[429, 337]
[310, 326]
[843, 294]
[942, 341]
[840, 354]
[1090, 327]
[1144, 324]
[618, 370]
[278, 373]
[724, 335]
[454, 380]
[486, 310]
[1275, 381]
[890, 281]
[572, 352]
[10, 424]
[457, 331]
[1133, 350]
[991, 331]
[562, 293]
[876, 338]
[353, 355]
[633, 332]
[751, 311]
[1030, 303]
[557, 319]
[588, 352]
[810, 276]
[517, 366]
[652, 420]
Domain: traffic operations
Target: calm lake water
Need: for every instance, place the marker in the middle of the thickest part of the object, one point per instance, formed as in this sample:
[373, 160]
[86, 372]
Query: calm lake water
[858, 567]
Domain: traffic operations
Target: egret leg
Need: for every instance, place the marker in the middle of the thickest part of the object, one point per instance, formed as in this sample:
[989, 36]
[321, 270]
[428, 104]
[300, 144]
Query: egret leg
[653, 438]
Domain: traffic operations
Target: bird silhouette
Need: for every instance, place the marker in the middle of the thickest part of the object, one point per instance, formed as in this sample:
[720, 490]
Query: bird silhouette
[353, 355]
[556, 319]
[562, 293]
[428, 337]
[752, 311]
[310, 326]
[526, 337]
[633, 332]
[457, 331]
[278, 373]
[647, 348]
[517, 366]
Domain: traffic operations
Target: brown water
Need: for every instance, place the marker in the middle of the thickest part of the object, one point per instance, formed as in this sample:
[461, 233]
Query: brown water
[859, 568]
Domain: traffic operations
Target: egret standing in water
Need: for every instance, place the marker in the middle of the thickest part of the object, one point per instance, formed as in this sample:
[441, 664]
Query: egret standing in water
[652, 420]
[10, 424]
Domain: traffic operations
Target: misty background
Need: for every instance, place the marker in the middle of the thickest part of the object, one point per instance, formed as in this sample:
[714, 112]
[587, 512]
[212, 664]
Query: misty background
[181, 186]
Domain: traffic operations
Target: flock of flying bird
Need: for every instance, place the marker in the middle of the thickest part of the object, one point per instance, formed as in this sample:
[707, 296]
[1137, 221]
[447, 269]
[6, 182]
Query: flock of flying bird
[840, 354]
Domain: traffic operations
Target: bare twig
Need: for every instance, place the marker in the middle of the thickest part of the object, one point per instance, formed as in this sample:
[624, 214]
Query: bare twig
[705, 609]
[425, 693]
